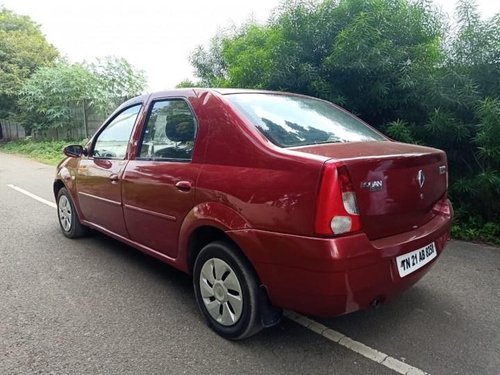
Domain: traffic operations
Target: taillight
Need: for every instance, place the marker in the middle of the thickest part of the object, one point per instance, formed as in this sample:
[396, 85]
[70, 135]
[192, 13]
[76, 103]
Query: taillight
[347, 189]
[443, 207]
[336, 209]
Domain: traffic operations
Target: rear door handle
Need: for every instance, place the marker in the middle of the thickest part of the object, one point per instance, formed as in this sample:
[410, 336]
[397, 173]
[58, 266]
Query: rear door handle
[114, 178]
[183, 185]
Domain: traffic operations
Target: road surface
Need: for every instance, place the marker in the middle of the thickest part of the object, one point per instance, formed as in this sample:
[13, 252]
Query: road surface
[94, 305]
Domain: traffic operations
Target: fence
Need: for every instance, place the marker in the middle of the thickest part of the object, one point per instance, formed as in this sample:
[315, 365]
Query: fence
[11, 130]
[79, 126]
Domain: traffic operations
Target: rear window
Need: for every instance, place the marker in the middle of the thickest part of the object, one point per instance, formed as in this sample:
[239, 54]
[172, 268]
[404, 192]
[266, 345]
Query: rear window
[290, 121]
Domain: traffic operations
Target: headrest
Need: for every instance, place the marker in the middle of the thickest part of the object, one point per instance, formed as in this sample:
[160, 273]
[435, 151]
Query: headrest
[180, 128]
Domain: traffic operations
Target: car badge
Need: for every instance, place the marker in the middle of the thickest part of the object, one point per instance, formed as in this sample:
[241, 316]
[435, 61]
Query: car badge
[421, 178]
[374, 185]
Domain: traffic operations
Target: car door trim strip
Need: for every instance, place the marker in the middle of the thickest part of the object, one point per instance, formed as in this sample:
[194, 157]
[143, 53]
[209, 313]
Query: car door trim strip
[149, 212]
[100, 198]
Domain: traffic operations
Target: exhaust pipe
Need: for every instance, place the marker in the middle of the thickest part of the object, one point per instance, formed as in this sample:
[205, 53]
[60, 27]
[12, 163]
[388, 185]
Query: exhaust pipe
[377, 301]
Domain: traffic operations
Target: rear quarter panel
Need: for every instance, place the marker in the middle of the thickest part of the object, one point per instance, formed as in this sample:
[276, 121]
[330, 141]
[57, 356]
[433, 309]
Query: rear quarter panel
[271, 188]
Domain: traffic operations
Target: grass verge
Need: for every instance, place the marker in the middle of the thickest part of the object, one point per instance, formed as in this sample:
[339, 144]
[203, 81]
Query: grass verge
[47, 152]
[474, 228]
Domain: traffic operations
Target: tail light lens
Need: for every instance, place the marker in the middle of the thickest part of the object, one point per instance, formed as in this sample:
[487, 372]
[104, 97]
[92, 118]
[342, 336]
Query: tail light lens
[336, 209]
[347, 189]
[443, 207]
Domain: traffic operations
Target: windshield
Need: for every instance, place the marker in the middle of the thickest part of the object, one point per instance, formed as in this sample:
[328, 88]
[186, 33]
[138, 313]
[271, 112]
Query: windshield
[290, 121]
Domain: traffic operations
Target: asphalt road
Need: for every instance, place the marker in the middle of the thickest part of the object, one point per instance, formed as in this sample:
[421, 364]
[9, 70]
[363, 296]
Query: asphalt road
[94, 305]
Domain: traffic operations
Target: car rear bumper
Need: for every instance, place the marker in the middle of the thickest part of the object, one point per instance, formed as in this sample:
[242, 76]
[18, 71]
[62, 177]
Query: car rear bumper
[328, 277]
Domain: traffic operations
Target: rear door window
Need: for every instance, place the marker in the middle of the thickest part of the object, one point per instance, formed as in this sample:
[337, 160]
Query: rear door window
[169, 133]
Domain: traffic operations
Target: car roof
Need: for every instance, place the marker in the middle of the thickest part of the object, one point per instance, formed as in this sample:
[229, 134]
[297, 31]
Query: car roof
[228, 91]
[198, 91]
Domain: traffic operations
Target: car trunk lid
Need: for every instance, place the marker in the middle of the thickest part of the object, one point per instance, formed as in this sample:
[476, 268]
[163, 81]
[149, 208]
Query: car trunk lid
[396, 184]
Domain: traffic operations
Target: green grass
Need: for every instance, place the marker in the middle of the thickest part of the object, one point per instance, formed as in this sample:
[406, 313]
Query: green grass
[47, 152]
[472, 228]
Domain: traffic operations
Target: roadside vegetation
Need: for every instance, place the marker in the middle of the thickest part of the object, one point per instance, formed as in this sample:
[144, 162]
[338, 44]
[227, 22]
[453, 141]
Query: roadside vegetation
[400, 65]
[48, 152]
[45, 93]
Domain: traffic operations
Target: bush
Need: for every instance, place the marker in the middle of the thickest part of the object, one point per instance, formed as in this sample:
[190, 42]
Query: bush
[398, 66]
[474, 228]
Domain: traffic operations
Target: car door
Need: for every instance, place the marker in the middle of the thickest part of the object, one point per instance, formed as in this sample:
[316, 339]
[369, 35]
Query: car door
[98, 180]
[159, 184]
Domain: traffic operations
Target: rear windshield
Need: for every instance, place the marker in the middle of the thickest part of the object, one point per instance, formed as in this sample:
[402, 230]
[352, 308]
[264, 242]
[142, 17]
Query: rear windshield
[290, 121]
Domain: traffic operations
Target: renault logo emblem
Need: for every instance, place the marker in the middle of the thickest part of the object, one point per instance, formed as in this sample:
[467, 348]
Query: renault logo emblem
[421, 178]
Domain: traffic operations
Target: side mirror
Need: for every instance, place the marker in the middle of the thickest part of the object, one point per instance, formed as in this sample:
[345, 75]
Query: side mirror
[74, 151]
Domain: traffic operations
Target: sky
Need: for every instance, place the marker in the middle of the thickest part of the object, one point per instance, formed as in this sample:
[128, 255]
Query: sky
[154, 36]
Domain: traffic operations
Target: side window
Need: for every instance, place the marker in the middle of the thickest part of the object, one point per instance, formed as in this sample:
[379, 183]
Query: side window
[170, 132]
[112, 142]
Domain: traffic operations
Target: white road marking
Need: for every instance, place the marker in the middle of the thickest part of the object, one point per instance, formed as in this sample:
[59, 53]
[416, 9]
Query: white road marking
[356, 346]
[31, 195]
[330, 334]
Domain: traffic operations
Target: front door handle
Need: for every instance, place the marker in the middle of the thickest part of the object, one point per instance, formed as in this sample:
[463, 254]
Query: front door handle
[114, 178]
[183, 185]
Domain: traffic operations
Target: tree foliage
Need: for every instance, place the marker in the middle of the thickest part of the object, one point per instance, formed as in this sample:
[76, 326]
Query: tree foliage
[395, 63]
[23, 49]
[187, 83]
[42, 92]
[116, 78]
[51, 95]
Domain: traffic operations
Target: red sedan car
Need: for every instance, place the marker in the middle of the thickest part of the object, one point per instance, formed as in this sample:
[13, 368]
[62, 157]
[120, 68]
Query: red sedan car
[270, 200]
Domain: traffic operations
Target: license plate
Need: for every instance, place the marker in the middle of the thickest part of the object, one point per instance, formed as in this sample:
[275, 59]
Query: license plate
[410, 262]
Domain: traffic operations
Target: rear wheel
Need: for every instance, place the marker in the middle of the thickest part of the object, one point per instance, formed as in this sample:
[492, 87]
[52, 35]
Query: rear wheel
[68, 219]
[226, 290]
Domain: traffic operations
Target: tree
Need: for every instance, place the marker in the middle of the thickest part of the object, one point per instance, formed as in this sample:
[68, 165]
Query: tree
[366, 55]
[208, 63]
[23, 49]
[474, 61]
[49, 98]
[117, 79]
[187, 83]
[397, 65]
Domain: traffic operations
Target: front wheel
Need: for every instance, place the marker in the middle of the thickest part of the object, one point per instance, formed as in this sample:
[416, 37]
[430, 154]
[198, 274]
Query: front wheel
[68, 219]
[226, 290]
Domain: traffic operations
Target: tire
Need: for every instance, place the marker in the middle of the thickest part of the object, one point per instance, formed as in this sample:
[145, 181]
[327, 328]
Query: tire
[226, 290]
[67, 217]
